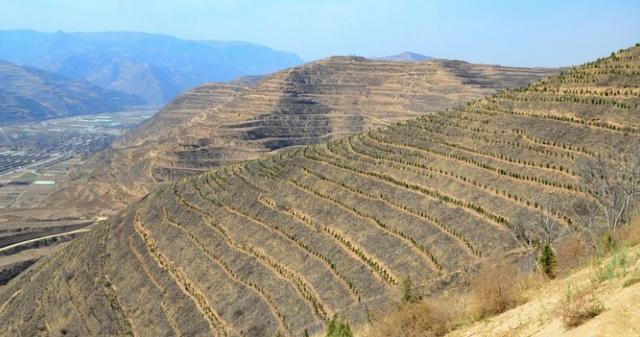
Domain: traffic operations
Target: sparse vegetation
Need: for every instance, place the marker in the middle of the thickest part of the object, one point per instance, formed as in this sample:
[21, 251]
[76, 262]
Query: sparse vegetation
[338, 328]
[572, 252]
[495, 289]
[629, 234]
[429, 318]
[579, 306]
[615, 184]
[435, 316]
[615, 266]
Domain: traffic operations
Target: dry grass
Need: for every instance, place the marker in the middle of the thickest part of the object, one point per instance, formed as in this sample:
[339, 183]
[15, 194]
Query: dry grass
[631, 281]
[629, 234]
[495, 289]
[498, 288]
[615, 266]
[429, 318]
[571, 253]
[579, 307]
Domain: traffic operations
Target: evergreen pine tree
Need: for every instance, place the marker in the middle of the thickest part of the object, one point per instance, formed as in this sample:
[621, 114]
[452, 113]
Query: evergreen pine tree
[547, 261]
[407, 295]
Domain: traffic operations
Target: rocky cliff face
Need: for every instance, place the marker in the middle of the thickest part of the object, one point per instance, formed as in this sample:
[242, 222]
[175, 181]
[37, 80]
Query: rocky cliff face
[220, 124]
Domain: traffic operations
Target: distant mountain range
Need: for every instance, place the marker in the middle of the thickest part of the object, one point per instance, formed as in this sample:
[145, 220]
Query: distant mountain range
[155, 67]
[30, 94]
[405, 57]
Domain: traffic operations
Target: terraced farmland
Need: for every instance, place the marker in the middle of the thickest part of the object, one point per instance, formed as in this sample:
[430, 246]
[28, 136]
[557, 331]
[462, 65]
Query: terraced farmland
[220, 124]
[24, 240]
[282, 244]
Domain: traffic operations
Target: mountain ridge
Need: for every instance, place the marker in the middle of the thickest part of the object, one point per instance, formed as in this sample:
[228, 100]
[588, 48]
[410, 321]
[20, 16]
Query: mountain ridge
[318, 101]
[406, 56]
[30, 94]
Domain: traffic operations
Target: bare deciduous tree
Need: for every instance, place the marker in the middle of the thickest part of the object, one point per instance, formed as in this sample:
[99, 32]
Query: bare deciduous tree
[614, 184]
[546, 231]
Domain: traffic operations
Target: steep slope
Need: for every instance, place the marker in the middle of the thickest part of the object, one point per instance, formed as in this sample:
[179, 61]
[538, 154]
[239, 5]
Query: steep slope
[542, 315]
[155, 67]
[284, 243]
[305, 105]
[147, 155]
[28, 94]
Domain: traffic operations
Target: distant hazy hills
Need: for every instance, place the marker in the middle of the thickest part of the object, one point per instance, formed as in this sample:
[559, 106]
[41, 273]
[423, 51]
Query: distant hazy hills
[31, 94]
[155, 67]
[405, 57]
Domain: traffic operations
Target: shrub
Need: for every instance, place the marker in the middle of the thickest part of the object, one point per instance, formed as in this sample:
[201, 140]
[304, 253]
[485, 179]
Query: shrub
[615, 266]
[571, 253]
[547, 261]
[579, 307]
[339, 328]
[630, 233]
[428, 318]
[407, 295]
[495, 289]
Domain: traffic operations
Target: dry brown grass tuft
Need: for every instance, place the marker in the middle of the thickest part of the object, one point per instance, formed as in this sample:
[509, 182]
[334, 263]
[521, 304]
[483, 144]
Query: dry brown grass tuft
[428, 318]
[571, 253]
[630, 233]
[495, 289]
[579, 307]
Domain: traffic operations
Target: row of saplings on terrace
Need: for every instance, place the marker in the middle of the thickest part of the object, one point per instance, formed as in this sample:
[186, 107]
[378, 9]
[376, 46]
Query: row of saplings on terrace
[600, 239]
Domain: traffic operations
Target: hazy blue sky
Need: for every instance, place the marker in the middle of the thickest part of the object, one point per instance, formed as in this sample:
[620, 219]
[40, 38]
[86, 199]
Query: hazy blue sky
[534, 32]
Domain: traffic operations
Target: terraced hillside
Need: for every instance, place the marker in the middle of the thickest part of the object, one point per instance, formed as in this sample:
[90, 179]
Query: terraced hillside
[144, 156]
[27, 235]
[220, 124]
[282, 244]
